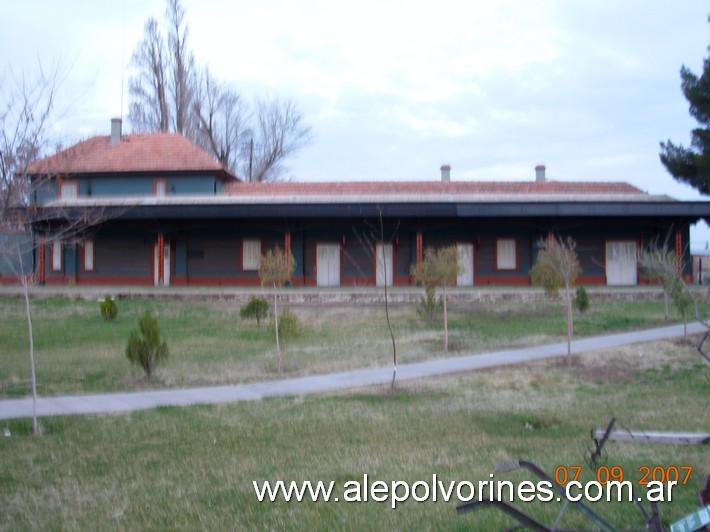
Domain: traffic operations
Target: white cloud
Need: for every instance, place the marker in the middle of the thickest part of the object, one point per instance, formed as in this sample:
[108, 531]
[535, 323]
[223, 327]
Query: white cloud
[393, 89]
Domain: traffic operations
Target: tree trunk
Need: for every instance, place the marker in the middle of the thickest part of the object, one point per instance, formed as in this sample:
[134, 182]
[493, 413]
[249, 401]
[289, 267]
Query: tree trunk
[665, 305]
[446, 324]
[570, 330]
[389, 327]
[276, 328]
[570, 327]
[25, 279]
[28, 314]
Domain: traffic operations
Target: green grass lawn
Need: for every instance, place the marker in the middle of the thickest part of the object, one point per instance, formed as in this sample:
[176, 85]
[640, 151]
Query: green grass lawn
[76, 351]
[193, 468]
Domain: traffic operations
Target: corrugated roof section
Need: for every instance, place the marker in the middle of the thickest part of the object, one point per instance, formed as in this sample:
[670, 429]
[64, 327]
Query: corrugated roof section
[152, 152]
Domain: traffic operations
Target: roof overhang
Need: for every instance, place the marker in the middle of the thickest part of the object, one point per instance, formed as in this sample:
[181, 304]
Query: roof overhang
[229, 207]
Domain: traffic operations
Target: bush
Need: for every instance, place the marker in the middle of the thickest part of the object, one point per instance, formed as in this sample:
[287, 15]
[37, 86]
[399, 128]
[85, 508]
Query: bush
[109, 309]
[147, 350]
[257, 309]
[581, 299]
[289, 326]
[429, 307]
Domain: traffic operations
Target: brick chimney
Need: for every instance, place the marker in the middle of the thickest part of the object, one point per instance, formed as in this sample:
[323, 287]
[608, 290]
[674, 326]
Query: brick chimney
[445, 173]
[540, 172]
[115, 131]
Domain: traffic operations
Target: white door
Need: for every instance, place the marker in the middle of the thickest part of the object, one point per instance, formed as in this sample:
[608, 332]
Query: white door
[465, 254]
[621, 261]
[384, 264]
[328, 264]
[166, 265]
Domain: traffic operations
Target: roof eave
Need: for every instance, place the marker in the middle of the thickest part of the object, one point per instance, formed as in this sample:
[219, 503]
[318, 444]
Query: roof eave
[157, 208]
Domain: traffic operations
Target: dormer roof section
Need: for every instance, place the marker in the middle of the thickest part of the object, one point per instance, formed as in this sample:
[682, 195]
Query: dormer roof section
[148, 153]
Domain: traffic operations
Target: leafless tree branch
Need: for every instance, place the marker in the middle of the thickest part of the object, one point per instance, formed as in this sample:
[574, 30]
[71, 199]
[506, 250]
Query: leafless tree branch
[182, 71]
[27, 105]
[221, 120]
[149, 108]
[169, 93]
[279, 132]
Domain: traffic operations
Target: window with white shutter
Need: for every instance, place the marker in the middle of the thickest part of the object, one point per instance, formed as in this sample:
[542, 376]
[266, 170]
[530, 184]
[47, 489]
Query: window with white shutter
[160, 187]
[69, 189]
[88, 255]
[251, 254]
[505, 254]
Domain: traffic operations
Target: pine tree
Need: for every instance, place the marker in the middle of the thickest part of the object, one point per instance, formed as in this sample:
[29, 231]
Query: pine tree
[692, 165]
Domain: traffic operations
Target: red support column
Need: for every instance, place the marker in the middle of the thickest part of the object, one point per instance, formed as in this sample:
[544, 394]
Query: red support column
[161, 259]
[287, 244]
[679, 252]
[420, 247]
[41, 272]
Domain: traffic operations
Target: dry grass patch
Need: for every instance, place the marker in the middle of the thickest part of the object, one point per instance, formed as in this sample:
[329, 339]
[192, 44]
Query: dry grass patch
[209, 344]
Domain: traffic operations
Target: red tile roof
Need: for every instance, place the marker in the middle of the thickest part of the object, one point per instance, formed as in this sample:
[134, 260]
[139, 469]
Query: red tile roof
[171, 152]
[152, 152]
[370, 188]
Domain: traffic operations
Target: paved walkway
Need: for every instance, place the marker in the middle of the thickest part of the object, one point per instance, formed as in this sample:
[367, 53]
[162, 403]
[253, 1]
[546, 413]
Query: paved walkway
[127, 401]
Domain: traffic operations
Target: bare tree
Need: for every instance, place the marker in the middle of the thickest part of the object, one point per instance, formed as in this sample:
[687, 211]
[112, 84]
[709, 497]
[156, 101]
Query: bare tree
[27, 105]
[163, 89]
[660, 263]
[369, 241]
[148, 110]
[59, 225]
[276, 268]
[182, 69]
[252, 145]
[558, 267]
[279, 132]
[168, 93]
[221, 120]
[439, 267]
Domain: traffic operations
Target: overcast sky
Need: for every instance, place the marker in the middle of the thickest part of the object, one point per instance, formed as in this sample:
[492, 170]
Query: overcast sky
[395, 89]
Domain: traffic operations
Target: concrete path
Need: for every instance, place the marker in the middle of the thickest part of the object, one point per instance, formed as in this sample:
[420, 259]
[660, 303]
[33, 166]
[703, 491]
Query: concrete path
[122, 402]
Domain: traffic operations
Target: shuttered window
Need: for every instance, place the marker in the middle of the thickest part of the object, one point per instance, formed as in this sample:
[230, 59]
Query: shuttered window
[505, 254]
[69, 189]
[88, 255]
[160, 187]
[251, 254]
